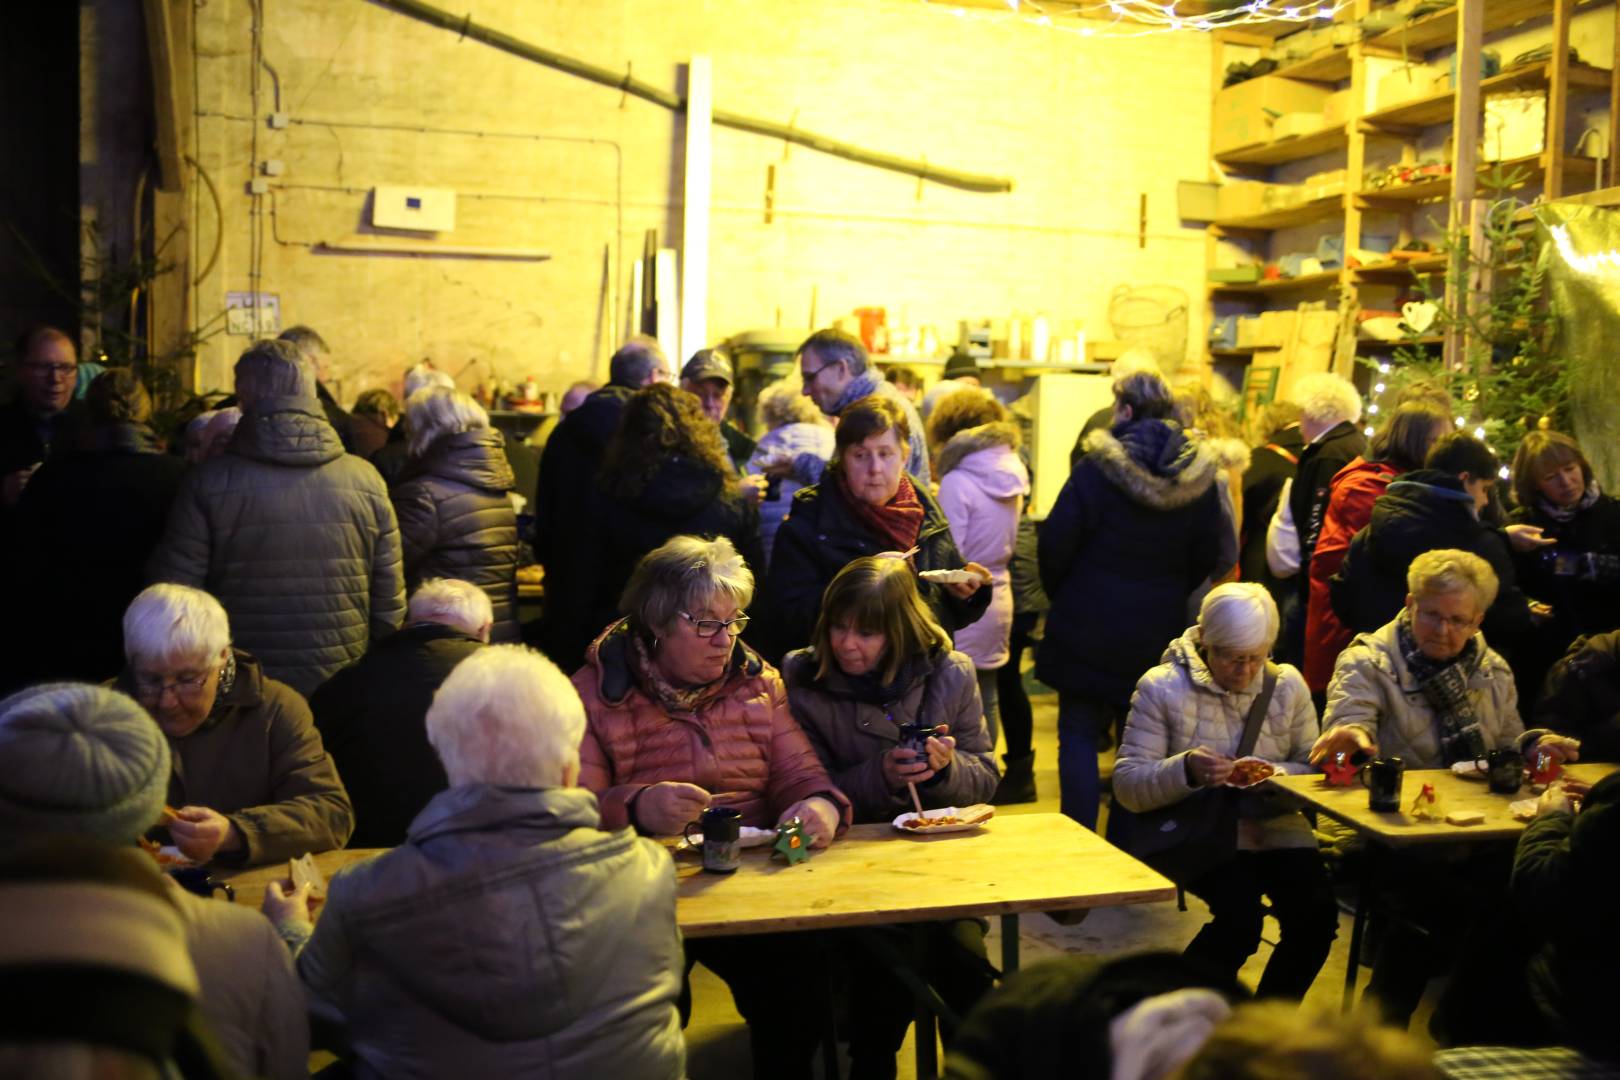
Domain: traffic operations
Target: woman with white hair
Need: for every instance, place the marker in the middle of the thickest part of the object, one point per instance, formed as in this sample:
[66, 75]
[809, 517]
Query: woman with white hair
[455, 517]
[678, 709]
[510, 935]
[1189, 718]
[252, 781]
[793, 426]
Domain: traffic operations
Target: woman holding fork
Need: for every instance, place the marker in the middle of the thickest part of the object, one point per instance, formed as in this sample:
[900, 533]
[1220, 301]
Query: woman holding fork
[880, 668]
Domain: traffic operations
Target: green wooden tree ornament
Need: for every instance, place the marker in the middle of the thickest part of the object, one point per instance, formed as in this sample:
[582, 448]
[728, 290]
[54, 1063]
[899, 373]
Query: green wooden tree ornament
[791, 843]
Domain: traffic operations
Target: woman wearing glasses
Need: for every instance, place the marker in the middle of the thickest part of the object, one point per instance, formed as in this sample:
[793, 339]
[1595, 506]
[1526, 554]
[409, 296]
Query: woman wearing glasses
[252, 782]
[680, 716]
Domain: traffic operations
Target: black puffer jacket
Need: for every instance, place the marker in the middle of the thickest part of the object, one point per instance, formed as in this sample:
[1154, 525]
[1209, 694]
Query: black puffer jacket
[568, 466]
[610, 535]
[1582, 696]
[68, 573]
[1137, 527]
[1319, 463]
[1580, 574]
[1270, 467]
[819, 538]
[455, 520]
[296, 538]
[1424, 510]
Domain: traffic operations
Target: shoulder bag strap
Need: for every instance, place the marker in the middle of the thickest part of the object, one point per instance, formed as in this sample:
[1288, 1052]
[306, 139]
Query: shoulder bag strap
[1257, 711]
[1287, 455]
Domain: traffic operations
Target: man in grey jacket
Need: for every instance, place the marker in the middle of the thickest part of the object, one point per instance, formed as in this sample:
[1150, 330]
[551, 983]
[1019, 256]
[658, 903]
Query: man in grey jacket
[296, 538]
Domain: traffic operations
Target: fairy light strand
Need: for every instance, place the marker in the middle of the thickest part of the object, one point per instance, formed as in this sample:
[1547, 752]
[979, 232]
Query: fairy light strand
[1141, 18]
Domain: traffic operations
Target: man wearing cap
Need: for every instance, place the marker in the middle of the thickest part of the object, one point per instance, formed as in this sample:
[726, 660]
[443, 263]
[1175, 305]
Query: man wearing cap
[961, 370]
[88, 761]
[708, 375]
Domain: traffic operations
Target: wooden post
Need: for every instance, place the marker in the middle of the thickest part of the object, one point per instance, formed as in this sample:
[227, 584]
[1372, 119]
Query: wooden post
[1344, 349]
[169, 29]
[699, 182]
[1614, 113]
[167, 43]
[1552, 154]
[1465, 125]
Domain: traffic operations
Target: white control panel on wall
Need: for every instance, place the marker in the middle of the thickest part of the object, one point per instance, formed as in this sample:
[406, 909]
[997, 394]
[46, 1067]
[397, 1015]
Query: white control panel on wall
[420, 209]
[252, 314]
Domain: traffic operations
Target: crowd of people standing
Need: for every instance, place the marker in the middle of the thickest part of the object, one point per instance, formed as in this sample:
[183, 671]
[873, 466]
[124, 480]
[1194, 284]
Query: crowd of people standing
[305, 633]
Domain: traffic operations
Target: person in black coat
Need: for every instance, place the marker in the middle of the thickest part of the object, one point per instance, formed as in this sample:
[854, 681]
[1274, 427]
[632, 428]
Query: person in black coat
[1581, 697]
[866, 504]
[1136, 528]
[87, 523]
[1271, 465]
[1578, 573]
[562, 496]
[665, 474]
[371, 715]
[43, 418]
[1427, 509]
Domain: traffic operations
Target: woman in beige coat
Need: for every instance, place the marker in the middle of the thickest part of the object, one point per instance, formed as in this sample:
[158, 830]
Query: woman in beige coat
[1181, 736]
[878, 660]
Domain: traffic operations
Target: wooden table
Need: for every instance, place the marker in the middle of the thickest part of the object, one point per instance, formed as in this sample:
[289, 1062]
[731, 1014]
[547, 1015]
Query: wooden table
[876, 876]
[1398, 829]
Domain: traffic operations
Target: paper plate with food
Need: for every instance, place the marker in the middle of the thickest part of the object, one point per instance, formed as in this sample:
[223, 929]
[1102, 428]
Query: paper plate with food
[946, 819]
[1469, 770]
[1249, 771]
[951, 577]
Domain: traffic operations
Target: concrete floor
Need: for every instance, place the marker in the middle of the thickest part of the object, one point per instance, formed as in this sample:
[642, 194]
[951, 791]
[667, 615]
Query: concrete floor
[717, 1041]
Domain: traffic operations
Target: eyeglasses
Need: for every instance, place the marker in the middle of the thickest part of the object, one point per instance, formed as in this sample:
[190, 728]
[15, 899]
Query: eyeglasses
[184, 686]
[808, 379]
[707, 628]
[54, 371]
[1455, 624]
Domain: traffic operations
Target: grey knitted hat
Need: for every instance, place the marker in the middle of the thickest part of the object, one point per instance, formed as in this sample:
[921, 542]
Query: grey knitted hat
[81, 759]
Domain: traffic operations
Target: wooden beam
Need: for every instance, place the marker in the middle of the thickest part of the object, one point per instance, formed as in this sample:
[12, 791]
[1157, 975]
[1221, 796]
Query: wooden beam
[698, 183]
[1465, 124]
[168, 29]
[1557, 98]
[1614, 113]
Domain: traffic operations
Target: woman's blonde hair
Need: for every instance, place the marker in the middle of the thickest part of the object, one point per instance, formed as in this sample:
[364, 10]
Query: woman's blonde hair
[783, 403]
[1540, 453]
[685, 574]
[878, 595]
[1449, 570]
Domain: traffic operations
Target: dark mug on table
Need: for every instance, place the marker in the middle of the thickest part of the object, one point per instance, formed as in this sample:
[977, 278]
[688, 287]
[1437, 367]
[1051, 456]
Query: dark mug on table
[722, 828]
[195, 879]
[1504, 770]
[1382, 777]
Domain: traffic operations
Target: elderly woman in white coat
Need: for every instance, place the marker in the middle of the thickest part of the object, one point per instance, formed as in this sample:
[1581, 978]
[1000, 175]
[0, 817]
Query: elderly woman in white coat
[1186, 720]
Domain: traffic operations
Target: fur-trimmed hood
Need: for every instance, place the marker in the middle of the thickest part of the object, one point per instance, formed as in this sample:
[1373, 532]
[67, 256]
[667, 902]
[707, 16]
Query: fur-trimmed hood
[1229, 453]
[1153, 463]
[974, 439]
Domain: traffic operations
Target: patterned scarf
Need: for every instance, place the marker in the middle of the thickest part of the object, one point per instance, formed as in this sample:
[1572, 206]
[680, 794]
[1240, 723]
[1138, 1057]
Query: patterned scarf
[674, 699]
[1567, 513]
[899, 520]
[1444, 684]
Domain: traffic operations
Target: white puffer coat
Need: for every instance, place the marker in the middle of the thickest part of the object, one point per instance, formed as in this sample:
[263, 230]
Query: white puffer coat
[1178, 706]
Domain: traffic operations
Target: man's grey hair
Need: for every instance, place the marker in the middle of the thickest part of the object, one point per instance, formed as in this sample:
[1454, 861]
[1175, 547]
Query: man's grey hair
[308, 341]
[272, 368]
[1327, 400]
[452, 602]
[436, 412]
[507, 716]
[635, 361]
[168, 622]
[836, 346]
[424, 375]
[686, 574]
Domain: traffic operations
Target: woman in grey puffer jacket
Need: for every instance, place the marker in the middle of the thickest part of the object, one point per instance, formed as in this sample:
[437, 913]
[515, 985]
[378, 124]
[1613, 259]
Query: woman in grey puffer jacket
[1187, 718]
[455, 518]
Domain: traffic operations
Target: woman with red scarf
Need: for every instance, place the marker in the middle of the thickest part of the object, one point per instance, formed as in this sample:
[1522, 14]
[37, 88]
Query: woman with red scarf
[866, 504]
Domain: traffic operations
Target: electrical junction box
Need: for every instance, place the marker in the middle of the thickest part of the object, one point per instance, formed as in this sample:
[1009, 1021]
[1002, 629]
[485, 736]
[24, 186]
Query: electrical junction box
[252, 314]
[417, 208]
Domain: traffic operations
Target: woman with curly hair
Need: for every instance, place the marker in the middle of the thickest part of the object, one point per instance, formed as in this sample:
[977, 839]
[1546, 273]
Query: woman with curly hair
[665, 473]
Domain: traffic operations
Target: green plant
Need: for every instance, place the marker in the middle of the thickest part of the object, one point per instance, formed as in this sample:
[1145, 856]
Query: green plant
[1507, 378]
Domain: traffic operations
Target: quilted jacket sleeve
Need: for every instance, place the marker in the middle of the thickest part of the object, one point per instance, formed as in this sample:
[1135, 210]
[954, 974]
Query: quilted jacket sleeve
[387, 573]
[418, 517]
[796, 771]
[1355, 695]
[1148, 772]
[308, 809]
[183, 555]
[971, 776]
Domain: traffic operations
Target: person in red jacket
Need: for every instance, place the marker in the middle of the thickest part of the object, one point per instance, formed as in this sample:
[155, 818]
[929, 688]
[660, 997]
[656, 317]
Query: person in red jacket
[1400, 447]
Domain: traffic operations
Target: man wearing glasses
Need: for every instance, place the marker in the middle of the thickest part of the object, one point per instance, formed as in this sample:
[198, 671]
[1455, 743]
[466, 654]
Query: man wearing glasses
[41, 419]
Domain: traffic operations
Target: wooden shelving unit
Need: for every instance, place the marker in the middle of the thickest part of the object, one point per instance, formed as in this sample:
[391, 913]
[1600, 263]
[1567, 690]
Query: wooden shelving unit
[1465, 27]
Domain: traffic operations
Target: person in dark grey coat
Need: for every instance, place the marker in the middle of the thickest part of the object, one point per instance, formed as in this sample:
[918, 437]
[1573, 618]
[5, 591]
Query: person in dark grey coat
[455, 518]
[297, 539]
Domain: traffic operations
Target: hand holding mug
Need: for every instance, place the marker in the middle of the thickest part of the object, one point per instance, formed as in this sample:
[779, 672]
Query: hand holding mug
[902, 765]
[1561, 748]
[941, 751]
[664, 809]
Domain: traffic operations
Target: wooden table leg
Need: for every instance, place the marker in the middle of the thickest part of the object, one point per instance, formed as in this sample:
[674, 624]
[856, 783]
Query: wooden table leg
[1009, 945]
[927, 1052]
[1358, 926]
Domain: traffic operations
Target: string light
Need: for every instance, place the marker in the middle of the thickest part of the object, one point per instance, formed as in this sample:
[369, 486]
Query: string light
[1479, 433]
[1383, 369]
[1139, 18]
[1378, 389]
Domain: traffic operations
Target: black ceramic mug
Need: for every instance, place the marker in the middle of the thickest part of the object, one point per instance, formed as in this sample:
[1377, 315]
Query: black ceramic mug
[1504, 770]
[195, 879]
[721, 827]
[1383, 776]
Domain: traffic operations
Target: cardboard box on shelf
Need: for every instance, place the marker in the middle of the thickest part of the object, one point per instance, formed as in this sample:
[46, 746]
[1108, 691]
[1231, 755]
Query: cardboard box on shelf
[1409, 83]
[1242, 198]
[1197, 200]
[1233, 275]
[1276, 327]
[1294, 124]
[1515, 125]
[1248, 332]
[1243, 113]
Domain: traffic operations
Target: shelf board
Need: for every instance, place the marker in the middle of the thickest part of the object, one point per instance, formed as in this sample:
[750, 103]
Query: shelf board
[1373, 345]
[1302, 214]
[1232, 354]
[1399, 271]
[1296, 148]
[1439, 29]
[1323, 280]
[1437, 108]
[1393, 198]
